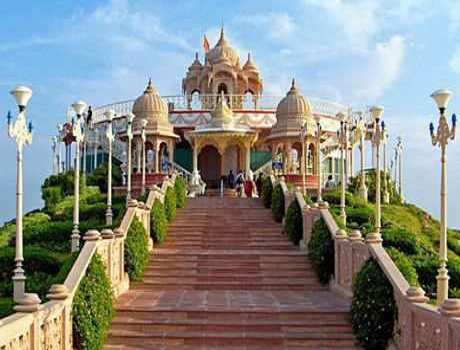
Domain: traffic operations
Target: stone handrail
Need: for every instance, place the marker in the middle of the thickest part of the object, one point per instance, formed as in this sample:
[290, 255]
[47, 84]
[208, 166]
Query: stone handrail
[50, 327]
[420, 325]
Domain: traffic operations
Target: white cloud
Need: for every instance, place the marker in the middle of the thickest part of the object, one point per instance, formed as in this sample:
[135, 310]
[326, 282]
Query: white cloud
[454, 61]
[279, 26]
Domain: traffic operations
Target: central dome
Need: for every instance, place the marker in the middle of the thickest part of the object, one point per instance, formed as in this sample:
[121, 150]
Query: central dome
[222, 52]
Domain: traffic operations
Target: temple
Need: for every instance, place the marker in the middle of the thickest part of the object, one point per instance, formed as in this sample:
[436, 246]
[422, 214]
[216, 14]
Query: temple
[222, 122]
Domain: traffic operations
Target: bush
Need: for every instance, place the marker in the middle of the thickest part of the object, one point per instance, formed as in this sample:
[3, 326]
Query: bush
[92, 307]
[7, 232]
[64, 209]
[404, 265]
[278, 203]
[159, 222]
[40, 265]
[181, 192]
[293, 225]
[427, 266]
[267, 190]
[170, 204]
[360, 216]
[51, 196]
[136, 250]
[400, 239]
[6, 307]
[99, 176]
[373, 309]
[454, 244]
[321, 251]
[64, 181]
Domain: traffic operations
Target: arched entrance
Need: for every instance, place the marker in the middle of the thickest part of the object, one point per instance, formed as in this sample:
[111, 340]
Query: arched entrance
[209, 163]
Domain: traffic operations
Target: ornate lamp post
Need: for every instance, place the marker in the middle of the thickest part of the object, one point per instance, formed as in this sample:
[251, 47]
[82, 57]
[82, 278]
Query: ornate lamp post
[22, 134]
[144, 123]
[386, 194]
[319, 200]
[303, 135]
[96, 139]
[361, 133]
[53, 149]
[377, 136]
[109, 134]
[342, 136]
[399, 151]
[129, 134]
[59, 156]
[441, 139]
[77, 132]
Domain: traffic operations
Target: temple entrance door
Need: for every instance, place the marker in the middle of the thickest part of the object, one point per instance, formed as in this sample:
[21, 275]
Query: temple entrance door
[209, 164]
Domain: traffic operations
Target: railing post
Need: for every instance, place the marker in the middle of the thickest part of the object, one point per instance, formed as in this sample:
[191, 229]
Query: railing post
[449, 309]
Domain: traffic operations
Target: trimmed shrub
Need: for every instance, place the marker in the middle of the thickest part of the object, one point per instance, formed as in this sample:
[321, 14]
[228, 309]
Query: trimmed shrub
[170, 204]
[181, 192]
[267, 190]
[321, 251]
[136, 250]
[92, 307]
[404, 265]
[99, 176]
[6, 307]
[51, 196]
[454, 244]
[278, 203]
[373, 309]
[7, 231]
[426, 266]
[400, 239]
[360, 216]
[293, 225]
[159, 223]
[64, 181]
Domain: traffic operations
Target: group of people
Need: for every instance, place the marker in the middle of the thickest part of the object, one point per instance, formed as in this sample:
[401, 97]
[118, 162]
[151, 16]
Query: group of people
[243, 183]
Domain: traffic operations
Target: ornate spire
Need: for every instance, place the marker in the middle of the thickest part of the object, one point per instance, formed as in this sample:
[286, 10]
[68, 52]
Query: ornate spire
[222, 37]
[293, 89]
[149, 88]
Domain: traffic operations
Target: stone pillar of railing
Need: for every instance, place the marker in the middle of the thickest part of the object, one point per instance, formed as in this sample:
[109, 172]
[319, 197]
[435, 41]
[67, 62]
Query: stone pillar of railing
[450, 309]
[288, 196]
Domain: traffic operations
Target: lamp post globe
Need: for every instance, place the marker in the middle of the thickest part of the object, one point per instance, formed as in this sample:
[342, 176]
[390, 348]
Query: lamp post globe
[22, 95]
[109, 115]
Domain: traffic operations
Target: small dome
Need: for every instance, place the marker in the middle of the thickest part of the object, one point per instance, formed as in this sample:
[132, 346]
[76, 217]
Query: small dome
[196, 65]
[291, 114]
[222, 52]
[249, 66]
[150, 106]
[222, 115]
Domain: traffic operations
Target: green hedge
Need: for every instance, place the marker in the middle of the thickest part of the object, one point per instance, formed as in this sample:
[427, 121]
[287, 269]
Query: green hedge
[99, 176]
[92, 307]
[277, 204]
[181, 192]
[170, 204]
[321, 251]
[404, 265]
[159, 223]
[136, 250]
[293, 225]
[400, 239]
[373, 309]
[267, 190]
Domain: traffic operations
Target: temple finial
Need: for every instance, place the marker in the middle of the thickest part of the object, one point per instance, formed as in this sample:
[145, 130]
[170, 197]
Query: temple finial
[249, 57]
[196, 56]
[293, 83]
[150, 83]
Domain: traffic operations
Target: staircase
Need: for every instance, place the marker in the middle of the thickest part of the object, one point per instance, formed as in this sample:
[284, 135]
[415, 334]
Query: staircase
[226, 278]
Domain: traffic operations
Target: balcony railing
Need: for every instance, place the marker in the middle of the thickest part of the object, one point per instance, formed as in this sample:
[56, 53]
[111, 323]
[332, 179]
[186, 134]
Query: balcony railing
[208, 102]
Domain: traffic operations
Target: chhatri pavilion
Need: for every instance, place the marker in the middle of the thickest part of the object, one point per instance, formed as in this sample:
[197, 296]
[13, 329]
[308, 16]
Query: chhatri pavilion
[221, 122]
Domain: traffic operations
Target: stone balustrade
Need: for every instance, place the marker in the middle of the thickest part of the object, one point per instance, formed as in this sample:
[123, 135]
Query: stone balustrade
[420, 325]
[50, 327]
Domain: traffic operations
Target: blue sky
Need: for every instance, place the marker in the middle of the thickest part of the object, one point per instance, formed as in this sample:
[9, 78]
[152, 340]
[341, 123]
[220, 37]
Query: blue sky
[393, 53]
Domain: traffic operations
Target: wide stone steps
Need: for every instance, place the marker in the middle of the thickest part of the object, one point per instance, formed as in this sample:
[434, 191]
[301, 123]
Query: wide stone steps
[227, 278]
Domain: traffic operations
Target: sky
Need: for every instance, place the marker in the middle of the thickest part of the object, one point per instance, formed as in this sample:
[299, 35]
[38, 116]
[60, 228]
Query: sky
[358, 52]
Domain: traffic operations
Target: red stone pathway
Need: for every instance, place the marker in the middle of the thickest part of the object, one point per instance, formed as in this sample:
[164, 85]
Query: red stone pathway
[226, 278]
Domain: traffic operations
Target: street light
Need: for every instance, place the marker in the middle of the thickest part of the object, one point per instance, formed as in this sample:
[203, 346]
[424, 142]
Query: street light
[398, 155]
[77, 132]
[22, 135]
[386, 194]
[110, 114]
[319, 199]
[303, 135]
[361, 133]
[144, 123]
[342, 136]
[441, 139]
[129, 133]
[377, 134]
[54, 157]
